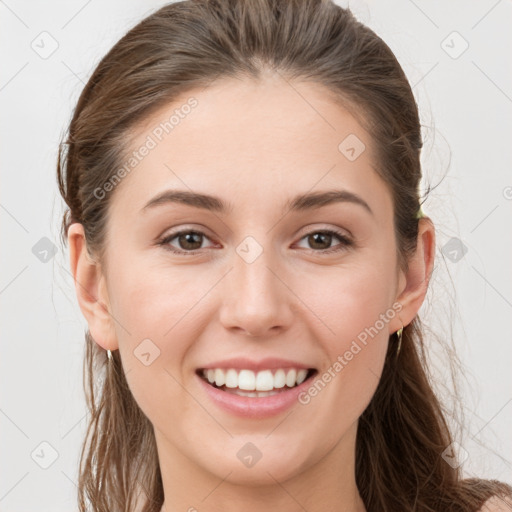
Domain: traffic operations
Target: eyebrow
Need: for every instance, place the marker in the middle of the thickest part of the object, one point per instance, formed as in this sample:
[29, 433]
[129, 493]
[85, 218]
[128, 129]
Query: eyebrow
[302, 202]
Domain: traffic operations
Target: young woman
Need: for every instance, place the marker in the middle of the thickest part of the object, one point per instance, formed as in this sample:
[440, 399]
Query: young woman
[248, 247]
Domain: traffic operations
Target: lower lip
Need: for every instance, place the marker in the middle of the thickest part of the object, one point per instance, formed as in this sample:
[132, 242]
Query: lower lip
[255, 407]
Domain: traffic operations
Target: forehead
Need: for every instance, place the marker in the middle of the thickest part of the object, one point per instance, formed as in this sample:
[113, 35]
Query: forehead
[249, 141]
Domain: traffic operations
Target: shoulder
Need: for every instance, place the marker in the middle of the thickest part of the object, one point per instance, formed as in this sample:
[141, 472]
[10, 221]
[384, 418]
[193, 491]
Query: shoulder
[497, 504]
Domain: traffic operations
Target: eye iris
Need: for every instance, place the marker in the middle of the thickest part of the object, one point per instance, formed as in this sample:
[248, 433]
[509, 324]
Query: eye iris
[316, 235]
[188, 237]
[191, 241]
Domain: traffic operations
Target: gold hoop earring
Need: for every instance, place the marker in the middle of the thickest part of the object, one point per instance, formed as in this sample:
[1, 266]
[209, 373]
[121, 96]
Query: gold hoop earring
[399, 336]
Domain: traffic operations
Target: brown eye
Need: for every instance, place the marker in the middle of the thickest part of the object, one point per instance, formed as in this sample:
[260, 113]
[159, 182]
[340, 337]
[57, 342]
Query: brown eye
[320, 241]
[188, 241]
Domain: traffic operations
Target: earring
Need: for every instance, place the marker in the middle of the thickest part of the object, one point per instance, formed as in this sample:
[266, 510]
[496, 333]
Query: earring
[399, 336]
[109, 355]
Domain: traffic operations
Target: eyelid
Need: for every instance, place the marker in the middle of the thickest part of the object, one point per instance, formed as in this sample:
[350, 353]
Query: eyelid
[164, 239]
[203, 230]
[346, 240]
[184, 228]
[313, 229]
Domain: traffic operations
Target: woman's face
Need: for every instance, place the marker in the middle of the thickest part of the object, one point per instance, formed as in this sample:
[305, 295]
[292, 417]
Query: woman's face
[257, 279]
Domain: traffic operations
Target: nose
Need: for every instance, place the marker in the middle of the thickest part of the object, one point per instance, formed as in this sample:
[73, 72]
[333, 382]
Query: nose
[256, 298]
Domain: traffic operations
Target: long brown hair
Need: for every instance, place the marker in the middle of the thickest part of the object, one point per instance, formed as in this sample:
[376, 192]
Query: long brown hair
[403, 432]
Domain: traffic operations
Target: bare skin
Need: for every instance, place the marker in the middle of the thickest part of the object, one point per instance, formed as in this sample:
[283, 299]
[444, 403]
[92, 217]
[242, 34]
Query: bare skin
[254, 145]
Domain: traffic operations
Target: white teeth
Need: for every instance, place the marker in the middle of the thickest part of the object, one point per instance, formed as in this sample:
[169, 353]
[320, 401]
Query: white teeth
[291, 378]
[279, 379]
[231, 378]
[220, 378]
[265, 381]
[253, 394]
[248, 380]
[301, 376]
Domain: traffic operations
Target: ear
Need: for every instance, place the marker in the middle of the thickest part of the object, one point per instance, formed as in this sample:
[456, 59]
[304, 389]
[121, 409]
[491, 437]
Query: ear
[91, 290]
[413, 284]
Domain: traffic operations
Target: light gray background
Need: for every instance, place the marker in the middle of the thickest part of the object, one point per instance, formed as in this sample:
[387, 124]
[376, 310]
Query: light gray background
[466, 110]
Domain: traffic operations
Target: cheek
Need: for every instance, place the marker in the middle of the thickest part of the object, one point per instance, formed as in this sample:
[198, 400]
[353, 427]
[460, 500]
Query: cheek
[354, 346]
[354, 306]
[351, 299]
[155, 302]
[155, 325]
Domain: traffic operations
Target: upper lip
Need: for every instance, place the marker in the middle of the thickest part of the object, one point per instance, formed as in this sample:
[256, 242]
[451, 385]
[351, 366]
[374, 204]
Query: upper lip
[243, 363]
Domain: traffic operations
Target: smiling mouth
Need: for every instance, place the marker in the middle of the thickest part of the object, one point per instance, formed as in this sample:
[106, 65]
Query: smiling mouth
[261, 384]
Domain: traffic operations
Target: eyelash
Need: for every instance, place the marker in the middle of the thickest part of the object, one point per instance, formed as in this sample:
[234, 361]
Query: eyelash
[345, 241]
